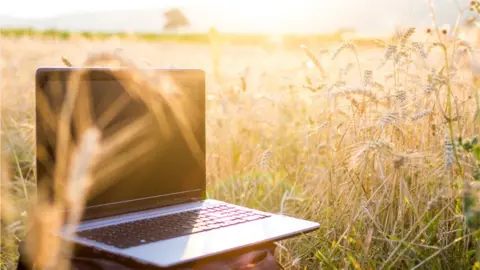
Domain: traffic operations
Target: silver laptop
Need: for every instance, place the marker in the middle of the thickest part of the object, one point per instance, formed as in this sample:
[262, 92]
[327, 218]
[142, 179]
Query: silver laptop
[156, 212]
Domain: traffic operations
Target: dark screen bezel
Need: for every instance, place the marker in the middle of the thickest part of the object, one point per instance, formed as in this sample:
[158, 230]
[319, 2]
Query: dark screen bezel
[124, 207]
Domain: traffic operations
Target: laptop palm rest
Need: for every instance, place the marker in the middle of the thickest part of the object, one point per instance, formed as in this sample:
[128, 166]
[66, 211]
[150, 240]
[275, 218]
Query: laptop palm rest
[197, 246]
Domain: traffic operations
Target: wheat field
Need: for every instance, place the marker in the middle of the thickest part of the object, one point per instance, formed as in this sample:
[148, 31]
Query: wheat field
[377, 144]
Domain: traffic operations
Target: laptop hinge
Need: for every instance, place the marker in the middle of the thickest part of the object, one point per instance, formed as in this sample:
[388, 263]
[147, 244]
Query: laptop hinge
[108, 211]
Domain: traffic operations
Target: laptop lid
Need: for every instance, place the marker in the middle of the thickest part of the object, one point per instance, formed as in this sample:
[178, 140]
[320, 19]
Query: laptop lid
[152, 168]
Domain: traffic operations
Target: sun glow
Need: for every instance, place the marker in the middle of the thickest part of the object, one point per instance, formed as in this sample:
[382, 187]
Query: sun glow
[265, 16]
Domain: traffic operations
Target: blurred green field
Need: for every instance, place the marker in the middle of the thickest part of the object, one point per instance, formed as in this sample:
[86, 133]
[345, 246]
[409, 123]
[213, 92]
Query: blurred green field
[287, 40]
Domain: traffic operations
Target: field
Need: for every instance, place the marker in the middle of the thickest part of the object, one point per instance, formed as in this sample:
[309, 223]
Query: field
[290, 40]
[375, 143]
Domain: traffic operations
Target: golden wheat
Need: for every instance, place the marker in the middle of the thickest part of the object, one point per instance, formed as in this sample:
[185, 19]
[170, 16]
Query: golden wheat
[368, 164]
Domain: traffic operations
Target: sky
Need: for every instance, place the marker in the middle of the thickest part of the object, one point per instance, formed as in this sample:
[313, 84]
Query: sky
[259, 15]
[48, 8]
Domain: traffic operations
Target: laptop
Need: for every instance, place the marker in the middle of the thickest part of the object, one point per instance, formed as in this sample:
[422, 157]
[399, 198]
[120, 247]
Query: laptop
[155, 211]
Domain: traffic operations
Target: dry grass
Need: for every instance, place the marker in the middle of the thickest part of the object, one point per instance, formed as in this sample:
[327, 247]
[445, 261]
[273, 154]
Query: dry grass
[370, 151]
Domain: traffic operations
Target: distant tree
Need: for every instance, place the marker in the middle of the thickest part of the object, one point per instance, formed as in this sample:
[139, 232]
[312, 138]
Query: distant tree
[343, 33]
[346, 30]
[175, 19]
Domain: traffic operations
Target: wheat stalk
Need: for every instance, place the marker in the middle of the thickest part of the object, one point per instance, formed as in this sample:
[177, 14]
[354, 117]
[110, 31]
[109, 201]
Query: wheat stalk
[344, 46]
[368, 77]
[378, 146]
[265, 159]
[314, 59]
[406, 36]
[45, 248]
[449, 158]
[390, 51]
[66, 62]
[420, 48]
[419, 115]
[388, 118]
[347, 91]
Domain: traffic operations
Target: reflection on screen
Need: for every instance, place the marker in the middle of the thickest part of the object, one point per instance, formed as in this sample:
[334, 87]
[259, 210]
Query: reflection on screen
[141, 160]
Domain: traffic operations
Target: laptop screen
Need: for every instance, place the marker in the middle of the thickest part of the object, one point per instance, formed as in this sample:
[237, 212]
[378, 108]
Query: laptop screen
[147, 155]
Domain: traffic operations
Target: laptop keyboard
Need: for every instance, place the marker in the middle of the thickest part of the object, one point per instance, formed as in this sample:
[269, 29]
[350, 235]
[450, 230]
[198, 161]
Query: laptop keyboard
[144, 231]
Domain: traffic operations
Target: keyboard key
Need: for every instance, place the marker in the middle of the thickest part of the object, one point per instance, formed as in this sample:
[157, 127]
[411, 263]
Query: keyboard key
[144, 231]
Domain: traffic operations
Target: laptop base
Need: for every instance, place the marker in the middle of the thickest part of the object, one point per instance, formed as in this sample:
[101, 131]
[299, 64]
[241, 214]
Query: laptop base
[193, 247]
